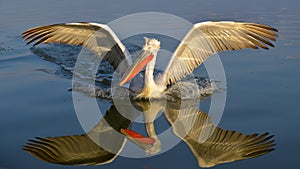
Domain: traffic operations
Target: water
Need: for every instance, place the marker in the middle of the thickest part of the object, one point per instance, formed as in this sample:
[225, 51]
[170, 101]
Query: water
[262, 86]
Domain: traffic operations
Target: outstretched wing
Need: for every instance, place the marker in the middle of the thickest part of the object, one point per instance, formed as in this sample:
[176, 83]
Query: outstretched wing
[212, 145]
[99, 38]
[208, 38]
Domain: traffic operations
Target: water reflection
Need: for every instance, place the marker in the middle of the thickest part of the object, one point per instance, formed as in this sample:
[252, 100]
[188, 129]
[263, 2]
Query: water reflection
[81, 149]
[210, 144]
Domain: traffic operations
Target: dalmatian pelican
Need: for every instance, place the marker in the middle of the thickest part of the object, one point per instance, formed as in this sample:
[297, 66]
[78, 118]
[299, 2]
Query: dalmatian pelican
[203, 40]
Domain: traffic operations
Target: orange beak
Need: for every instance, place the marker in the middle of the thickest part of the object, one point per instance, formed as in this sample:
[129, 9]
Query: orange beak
[137, 66]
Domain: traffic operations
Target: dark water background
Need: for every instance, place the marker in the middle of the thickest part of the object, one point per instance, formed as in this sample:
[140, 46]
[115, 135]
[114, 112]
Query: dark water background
[262, 92]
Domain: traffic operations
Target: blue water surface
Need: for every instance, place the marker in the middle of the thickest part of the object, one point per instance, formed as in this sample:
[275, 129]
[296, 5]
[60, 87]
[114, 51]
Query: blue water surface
[262, 86]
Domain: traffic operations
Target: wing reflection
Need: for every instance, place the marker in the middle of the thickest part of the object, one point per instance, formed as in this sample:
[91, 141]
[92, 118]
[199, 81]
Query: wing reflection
[210, 144]
[81, 149]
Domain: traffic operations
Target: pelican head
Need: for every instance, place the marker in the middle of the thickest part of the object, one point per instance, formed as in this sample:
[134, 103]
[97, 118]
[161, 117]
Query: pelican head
[146, 57]
[152, 45]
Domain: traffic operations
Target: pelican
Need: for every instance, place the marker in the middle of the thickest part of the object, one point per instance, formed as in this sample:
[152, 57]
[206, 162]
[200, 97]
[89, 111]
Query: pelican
[203, 40]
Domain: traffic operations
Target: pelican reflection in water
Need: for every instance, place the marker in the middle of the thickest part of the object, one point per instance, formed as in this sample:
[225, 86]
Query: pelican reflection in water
[210, 144]
[202, 41]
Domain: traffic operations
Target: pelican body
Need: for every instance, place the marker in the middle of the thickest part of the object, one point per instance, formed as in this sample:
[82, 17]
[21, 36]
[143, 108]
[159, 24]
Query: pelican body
[202, 41]
[147, 58]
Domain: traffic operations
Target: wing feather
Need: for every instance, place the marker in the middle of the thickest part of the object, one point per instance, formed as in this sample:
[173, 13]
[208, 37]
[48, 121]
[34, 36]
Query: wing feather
[98, 38]
[208, 38]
